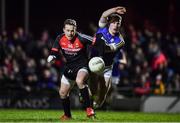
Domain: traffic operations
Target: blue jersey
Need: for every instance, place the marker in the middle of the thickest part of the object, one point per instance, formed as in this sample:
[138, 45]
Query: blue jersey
[109, 39]
[103, 40]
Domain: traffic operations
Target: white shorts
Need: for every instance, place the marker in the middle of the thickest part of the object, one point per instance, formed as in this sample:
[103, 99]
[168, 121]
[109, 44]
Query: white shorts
[107, 73]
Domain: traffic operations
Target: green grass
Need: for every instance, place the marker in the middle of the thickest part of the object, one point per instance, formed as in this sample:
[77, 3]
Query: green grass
[15, 115]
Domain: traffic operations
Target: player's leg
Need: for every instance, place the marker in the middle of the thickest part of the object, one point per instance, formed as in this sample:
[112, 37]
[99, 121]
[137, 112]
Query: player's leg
[93, 84]
[100, 90]
[81, 78]
[64, 95]
[93, 87]
[107, 88]
[104, 87]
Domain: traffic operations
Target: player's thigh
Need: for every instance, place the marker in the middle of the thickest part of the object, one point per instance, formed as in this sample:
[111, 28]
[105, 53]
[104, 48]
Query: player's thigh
[65, 85]
[82, 76]
[107, 76]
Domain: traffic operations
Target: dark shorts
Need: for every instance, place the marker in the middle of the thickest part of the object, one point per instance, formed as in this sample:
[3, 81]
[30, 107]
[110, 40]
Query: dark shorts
[70, 72]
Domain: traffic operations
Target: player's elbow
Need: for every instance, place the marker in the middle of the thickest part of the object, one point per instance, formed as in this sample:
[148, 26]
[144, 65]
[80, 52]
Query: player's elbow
[123, 62]
[102, 24]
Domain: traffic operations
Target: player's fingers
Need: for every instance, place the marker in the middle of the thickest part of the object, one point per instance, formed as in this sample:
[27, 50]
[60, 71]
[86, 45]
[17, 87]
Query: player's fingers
[124, 9]
[121, 11]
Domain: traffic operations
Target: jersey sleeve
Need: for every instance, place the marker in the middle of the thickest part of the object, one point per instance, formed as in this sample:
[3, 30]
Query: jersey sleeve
[56, 47]
[86, 39]
[102, 22]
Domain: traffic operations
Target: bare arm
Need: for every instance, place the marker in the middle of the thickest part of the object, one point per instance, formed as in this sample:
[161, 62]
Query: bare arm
[124, 59]
[105, 14]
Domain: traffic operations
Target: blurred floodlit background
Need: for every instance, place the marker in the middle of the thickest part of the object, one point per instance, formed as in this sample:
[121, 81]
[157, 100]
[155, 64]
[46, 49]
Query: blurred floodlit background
[151, 31]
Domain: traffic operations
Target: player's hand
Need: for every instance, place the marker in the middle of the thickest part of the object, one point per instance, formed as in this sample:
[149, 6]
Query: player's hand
[118, 10]
[51, 58]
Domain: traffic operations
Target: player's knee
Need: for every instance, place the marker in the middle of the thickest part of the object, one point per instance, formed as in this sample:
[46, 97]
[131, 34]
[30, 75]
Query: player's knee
[80, 83]
[81, 86]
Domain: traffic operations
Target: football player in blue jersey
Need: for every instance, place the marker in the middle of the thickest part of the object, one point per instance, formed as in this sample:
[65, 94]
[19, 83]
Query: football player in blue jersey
[108, 41]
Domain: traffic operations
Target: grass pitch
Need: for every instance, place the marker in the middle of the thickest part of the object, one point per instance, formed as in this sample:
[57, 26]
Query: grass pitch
[16, 115]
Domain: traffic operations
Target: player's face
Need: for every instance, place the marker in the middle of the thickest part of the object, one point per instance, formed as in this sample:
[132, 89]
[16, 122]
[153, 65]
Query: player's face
[69, 31]
[114, 27]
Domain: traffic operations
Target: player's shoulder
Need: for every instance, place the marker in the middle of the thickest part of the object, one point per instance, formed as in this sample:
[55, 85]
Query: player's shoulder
[60, 36]
[121, 38]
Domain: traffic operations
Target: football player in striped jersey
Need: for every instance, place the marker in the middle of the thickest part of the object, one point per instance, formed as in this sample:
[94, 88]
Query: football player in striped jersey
[73, 46]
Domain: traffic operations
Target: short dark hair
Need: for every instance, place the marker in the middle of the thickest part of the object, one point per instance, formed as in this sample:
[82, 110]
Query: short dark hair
[70, 22]
[114, 18]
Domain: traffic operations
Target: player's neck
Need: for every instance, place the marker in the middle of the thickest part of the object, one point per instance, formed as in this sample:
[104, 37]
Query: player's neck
[113, 34]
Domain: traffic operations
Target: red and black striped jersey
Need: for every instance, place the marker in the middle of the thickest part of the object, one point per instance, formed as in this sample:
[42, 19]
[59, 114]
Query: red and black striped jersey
[75, 50]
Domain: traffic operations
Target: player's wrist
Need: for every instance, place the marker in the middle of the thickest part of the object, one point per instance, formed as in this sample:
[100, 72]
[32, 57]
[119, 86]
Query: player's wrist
[51, 58]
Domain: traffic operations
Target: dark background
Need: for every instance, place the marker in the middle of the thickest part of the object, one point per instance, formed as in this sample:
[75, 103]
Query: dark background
[50, 14]
[24, 72]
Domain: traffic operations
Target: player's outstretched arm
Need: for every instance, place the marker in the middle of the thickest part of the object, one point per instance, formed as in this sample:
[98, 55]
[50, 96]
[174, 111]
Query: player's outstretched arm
[105, 14]
[118, 10]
